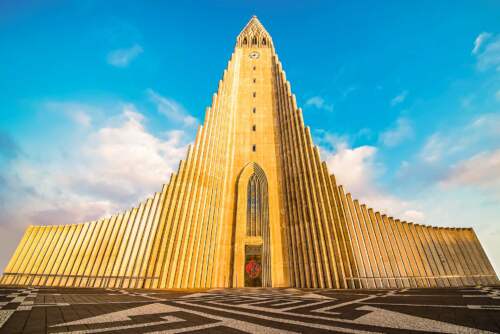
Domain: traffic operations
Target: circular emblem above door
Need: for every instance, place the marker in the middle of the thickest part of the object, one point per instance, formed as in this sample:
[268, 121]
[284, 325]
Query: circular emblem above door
[254, 55]
[253, 268]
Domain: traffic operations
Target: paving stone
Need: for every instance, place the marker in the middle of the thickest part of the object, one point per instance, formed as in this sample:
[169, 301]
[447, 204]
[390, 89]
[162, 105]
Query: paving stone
[61, 310]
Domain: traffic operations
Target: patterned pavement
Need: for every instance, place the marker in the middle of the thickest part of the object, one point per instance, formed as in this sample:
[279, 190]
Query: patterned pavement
[58, 310]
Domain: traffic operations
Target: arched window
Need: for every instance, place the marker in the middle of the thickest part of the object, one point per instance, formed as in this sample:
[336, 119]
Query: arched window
[254, 40]
[263, 41]
[257, 211]
[245, 41]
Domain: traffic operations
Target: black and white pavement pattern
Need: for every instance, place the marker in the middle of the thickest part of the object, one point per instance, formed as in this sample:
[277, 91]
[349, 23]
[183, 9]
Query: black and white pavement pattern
[67, 310]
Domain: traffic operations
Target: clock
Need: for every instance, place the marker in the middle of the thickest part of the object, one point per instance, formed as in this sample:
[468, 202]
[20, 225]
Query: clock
[253, 55]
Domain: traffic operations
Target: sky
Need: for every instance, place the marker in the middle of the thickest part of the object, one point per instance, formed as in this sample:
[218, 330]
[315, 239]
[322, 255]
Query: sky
[99, 100]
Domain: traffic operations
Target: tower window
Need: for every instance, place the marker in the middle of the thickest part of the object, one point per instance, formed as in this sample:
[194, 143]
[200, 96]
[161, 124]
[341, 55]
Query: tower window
[254, 127]
[245, 41]
[254, 147]
[254, 80]
[254, 94]
[254, 110]
[257, 197]
[254, 68]
[254, 40]
[263, 41]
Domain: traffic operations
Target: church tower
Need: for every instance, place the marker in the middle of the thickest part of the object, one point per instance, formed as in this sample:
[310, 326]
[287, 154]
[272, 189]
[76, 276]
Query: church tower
[251, 205]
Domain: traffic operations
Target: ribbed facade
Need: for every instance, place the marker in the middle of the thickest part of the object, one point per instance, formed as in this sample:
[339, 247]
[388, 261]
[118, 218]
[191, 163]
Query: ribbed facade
[253, 179]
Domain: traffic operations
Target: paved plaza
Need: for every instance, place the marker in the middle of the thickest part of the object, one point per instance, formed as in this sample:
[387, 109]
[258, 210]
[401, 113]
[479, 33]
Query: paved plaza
[60, 310]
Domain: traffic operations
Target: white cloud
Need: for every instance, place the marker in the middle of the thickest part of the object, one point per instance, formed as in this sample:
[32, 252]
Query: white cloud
[400, 98]
[481, 170]
[414, 215]
[123, 57]
[402, 131]
[126, 161]
[358, 171]
[114, 167]
[319, 103]
[488, 52]
[172, 109]
[478, 42]
[354, 167]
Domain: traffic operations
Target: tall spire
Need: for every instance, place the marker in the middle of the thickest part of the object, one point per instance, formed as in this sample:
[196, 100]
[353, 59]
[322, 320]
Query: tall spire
[254, 35]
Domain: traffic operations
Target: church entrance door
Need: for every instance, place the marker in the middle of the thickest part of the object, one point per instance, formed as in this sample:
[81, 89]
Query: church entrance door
[253, 266]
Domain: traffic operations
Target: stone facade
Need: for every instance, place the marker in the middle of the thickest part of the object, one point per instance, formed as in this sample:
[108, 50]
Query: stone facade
[251, 205]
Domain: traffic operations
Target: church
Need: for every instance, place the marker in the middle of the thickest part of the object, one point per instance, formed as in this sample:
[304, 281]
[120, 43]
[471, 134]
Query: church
[252, 205]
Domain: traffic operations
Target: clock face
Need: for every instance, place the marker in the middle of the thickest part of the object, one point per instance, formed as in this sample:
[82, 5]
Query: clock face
[254, 55]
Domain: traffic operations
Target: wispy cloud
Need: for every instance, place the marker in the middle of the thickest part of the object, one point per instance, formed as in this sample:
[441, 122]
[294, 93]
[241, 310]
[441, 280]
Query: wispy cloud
[349, 90]
[481, 170]
[433, 148]
[478, 42]
[172, 109]
[482, 133]
[400, 98]
[319, 103]
[401, 131]
[123, 57]
[487, 51]
[364, 134]
[80, 113]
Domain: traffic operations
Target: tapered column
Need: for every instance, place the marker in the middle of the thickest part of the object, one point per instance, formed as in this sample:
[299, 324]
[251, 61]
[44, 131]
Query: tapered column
[401, 253]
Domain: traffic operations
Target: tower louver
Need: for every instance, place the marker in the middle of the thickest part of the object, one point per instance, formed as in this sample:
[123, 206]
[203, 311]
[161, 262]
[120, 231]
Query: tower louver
[251, 205]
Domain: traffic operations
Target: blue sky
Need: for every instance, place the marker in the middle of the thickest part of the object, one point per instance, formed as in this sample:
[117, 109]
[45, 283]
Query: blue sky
[99, 100]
